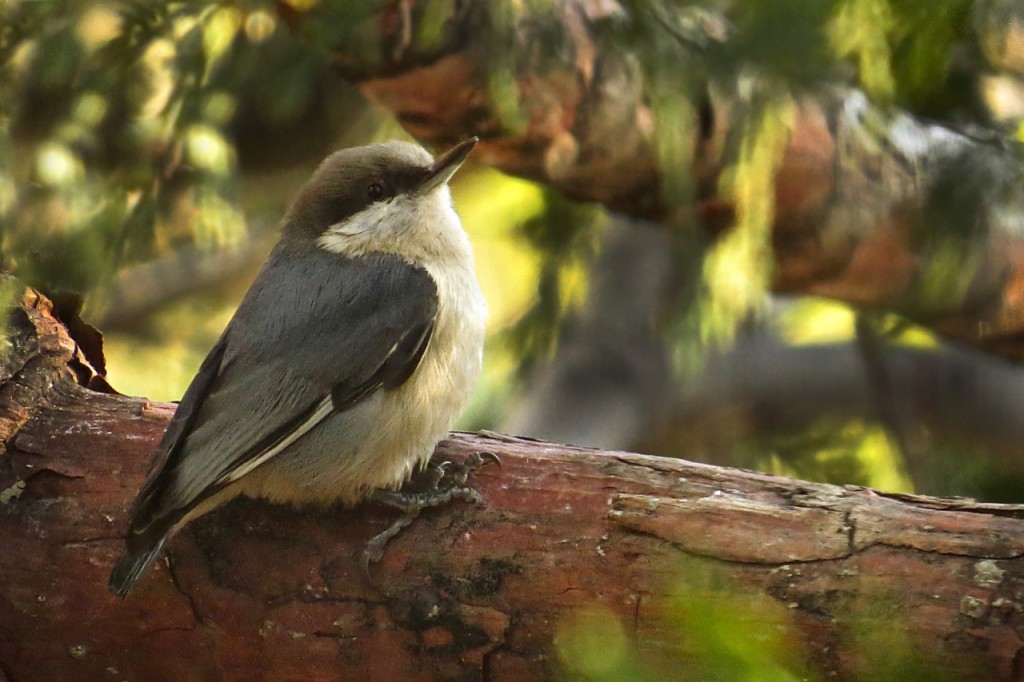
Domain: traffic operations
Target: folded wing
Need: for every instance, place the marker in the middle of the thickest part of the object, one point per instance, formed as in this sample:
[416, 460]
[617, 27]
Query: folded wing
[317, 333]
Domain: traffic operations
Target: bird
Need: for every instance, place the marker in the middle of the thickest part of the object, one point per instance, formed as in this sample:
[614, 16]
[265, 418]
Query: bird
[350, 356]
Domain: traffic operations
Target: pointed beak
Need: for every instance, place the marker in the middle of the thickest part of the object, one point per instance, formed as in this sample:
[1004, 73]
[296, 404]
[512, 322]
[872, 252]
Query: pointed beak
[444, 167]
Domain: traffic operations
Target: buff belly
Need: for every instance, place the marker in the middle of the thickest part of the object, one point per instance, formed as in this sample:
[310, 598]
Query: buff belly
[379, 442]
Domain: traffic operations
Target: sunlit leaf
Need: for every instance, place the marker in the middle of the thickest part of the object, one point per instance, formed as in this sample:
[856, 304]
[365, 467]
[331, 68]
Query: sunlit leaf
[739, 267]
[57, 166]
[206, 149]
[501, 71]
[259, 26]
[219, 33]
[811, 320]
[861, 30]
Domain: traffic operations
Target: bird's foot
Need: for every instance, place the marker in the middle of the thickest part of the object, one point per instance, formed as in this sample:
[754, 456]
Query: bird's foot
[440, 484]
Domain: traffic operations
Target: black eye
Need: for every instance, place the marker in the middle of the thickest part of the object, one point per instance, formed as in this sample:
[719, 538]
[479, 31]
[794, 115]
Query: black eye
[375, 191]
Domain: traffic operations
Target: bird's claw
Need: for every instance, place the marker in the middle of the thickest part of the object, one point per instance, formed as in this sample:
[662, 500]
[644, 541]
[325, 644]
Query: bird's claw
[481, 457]
[442, 486]
[374, 551]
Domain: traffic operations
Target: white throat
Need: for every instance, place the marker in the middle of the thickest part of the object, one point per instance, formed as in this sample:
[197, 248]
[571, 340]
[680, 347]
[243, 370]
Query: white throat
[420, 228]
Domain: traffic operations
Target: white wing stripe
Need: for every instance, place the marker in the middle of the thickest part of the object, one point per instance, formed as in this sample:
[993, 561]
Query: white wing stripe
[324, 408]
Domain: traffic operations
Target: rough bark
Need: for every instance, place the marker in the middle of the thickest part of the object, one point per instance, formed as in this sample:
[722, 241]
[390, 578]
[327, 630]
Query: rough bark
[872, 206]
[853, 581]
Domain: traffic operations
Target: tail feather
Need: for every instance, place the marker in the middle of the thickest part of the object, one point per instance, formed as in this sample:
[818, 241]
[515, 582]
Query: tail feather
[131, 567]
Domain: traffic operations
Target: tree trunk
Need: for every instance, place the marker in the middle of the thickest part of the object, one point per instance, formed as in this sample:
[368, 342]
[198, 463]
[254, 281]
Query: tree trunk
[576, 558]
[609, 382]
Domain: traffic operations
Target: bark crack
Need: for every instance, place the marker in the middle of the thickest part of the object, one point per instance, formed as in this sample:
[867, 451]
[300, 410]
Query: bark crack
[157, 631]
[90, 540]
[485, 665]
[668, 469]
[173, 573]
[638, 599]
[850, 524]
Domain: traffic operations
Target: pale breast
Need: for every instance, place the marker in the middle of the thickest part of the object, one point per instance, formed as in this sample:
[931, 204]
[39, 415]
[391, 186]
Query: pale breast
[377, 443]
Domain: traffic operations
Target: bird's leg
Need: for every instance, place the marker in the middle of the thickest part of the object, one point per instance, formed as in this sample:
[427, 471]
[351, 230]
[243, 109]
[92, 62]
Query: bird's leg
[441, 484]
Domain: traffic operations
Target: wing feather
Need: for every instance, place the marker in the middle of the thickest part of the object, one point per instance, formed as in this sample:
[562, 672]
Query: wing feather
[317, 333]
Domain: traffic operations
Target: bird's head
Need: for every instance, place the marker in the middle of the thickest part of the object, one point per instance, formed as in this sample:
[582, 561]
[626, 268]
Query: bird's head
[377, 198]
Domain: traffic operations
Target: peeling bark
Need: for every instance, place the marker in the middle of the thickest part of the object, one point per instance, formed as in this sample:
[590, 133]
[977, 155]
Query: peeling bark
[852, 577]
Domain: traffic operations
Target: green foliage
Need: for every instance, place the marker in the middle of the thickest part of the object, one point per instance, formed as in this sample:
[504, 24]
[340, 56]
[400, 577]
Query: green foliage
[716, 630]
[415, 32]
[657, 35]
[786, 41]
[860, 31]
[831, 450]
[593, 645]
[117, 126]
[901, 51]
[565, 233]
[105, 94]
[738, 269]
[347, 27]
[905, 49]
[733, 634]
[924, 41]
[713, 628]
[948, 230]
[501, 67]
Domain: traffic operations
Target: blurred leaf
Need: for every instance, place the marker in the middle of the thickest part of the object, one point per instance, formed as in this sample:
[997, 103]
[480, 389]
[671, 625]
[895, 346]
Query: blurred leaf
[565, 233]
[784, 40]
[501, 67]
[220, 28]
[593, 644]
[718, 630]
[118, 124]
[924, 41]
[493, 206]
[833, 450]
[739, 268]
[812, 320]
[348, 28]
[733, 634]
[861, 30]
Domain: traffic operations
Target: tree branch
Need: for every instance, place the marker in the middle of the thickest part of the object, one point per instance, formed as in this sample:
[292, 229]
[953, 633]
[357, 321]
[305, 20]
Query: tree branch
[872, 206]
[567, 539]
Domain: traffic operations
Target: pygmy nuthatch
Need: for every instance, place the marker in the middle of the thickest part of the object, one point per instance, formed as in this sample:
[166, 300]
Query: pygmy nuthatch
[347, 361]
